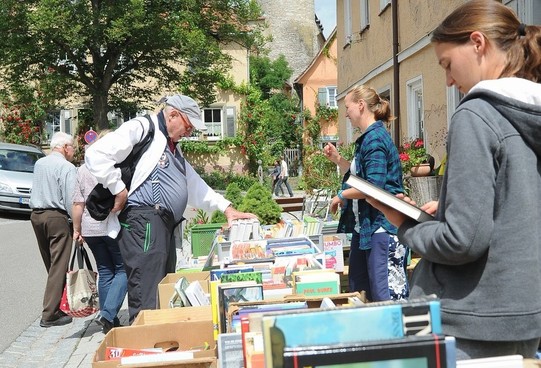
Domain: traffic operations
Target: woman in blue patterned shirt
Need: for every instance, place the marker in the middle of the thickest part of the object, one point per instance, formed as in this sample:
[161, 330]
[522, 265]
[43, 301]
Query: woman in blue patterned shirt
[376, 259]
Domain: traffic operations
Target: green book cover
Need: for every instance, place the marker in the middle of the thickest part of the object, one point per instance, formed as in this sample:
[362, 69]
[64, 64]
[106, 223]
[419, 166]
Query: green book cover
[256, 276]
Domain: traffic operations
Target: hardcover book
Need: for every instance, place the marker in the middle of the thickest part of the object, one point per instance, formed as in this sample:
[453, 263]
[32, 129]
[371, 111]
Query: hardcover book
[375, 321]
[230, 353]
[217, 274]
[333, 246]
[316, 282]
[196, 295]
[245, 291]
[243, 276]
[388, 199]
[179, 298]
[431, 351]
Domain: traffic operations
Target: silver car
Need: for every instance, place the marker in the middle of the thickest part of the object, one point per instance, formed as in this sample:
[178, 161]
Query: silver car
[16, 170]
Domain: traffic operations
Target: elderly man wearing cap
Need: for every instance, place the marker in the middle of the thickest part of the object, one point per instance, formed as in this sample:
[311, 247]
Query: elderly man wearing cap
[163, 184]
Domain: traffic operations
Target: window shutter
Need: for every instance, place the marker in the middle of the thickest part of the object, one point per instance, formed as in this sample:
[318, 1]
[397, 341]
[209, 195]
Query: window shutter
[322, 96]
[230, 121]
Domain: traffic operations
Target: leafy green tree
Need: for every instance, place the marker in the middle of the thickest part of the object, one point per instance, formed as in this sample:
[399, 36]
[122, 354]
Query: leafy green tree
[268, 121]
[110, 52]
[268, 75]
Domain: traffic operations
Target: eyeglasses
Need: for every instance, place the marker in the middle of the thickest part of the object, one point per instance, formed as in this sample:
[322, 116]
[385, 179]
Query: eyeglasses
[187, 123]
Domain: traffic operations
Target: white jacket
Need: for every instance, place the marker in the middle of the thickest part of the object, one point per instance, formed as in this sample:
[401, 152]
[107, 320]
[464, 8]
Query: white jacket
[114, 147]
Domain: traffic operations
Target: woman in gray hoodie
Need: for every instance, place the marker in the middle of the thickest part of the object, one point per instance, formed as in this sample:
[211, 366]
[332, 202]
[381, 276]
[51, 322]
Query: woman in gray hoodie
[482, 254]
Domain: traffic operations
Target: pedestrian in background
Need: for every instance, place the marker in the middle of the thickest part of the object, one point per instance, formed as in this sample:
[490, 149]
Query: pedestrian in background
[101, 238]
[481, 255]
[282, 178]
[275, 174]
[163, 184]
[377, 259]
[52, 190]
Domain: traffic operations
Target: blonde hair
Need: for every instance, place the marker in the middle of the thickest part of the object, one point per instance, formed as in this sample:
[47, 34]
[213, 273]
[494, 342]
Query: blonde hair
[378, 106]
[502, 29]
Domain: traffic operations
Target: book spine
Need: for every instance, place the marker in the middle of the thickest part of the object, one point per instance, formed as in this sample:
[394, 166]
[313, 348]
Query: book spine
[333, 326]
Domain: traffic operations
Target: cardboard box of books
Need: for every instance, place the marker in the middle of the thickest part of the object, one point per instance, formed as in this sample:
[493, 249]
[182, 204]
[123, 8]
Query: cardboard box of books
[151, 344]
[166, 287]
[157, 316]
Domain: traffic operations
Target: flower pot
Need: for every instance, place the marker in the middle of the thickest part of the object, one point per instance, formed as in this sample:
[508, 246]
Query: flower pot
[420, 170]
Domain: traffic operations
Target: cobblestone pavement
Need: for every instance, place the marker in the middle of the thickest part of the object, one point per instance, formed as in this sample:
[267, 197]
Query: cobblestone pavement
[69, 346]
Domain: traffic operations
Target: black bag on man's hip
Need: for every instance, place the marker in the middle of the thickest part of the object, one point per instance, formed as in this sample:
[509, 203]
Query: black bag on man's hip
[100, 201]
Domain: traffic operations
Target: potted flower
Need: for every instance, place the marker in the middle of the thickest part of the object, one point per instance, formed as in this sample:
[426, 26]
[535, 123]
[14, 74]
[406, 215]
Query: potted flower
[414, 158]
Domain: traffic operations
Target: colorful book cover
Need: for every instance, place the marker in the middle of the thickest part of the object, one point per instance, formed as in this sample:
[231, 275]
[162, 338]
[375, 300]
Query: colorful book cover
[375, 321]
[333, 246]
[432, 351]
[318, 288]
[217, 274]
[256, 276]
[234, 293]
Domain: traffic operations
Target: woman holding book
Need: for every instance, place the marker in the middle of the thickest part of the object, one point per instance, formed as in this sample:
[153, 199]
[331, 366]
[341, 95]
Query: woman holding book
[481, 255]
[377, 259]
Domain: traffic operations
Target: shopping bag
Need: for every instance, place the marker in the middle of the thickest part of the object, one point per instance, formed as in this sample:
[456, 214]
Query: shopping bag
[80, 296]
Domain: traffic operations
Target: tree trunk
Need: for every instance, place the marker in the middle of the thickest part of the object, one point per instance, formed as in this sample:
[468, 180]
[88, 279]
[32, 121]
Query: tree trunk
[100, 107]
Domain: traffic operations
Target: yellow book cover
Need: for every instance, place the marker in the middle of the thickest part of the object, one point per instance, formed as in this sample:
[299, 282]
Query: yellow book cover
[213, 286]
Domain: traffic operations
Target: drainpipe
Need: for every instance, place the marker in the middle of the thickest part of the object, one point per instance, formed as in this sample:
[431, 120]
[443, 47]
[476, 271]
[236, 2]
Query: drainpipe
[396, 72]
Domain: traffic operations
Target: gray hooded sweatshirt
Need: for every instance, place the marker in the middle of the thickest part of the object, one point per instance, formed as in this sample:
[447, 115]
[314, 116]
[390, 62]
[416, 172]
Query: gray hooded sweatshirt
[482, 254]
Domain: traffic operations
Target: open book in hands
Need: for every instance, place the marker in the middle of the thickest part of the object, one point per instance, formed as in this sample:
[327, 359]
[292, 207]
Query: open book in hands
[388, 199]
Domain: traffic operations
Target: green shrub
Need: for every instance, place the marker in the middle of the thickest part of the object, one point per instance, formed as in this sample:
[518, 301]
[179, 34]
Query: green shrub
[219, 181]
[258, 200]
[232, 194]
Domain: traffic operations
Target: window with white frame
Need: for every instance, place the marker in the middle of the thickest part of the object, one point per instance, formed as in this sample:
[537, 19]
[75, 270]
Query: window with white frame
[365, 14]
[383, 4]
[414, 95]
[213, 119]
[347, 22]
[327, 97]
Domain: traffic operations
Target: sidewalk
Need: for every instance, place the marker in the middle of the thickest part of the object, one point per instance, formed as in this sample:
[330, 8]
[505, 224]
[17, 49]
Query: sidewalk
[69, 346]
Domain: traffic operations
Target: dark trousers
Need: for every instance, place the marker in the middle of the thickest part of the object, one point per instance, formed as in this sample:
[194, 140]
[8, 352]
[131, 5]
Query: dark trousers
[279, 185]
[146, 241]
[368, 269]
[54, 237]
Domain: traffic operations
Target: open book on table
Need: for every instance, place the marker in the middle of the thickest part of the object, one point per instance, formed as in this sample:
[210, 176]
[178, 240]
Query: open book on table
[388, 199]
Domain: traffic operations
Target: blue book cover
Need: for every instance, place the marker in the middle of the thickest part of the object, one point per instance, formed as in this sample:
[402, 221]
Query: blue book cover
[375, 321]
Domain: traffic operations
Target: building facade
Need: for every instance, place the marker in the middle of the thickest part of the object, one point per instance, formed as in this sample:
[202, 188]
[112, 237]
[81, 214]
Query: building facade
[389, 49]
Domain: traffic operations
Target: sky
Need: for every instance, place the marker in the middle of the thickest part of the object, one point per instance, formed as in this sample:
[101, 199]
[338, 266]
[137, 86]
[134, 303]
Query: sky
[326, 12]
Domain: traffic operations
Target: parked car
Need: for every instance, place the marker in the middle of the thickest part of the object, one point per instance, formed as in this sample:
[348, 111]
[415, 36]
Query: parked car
[16, 171]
